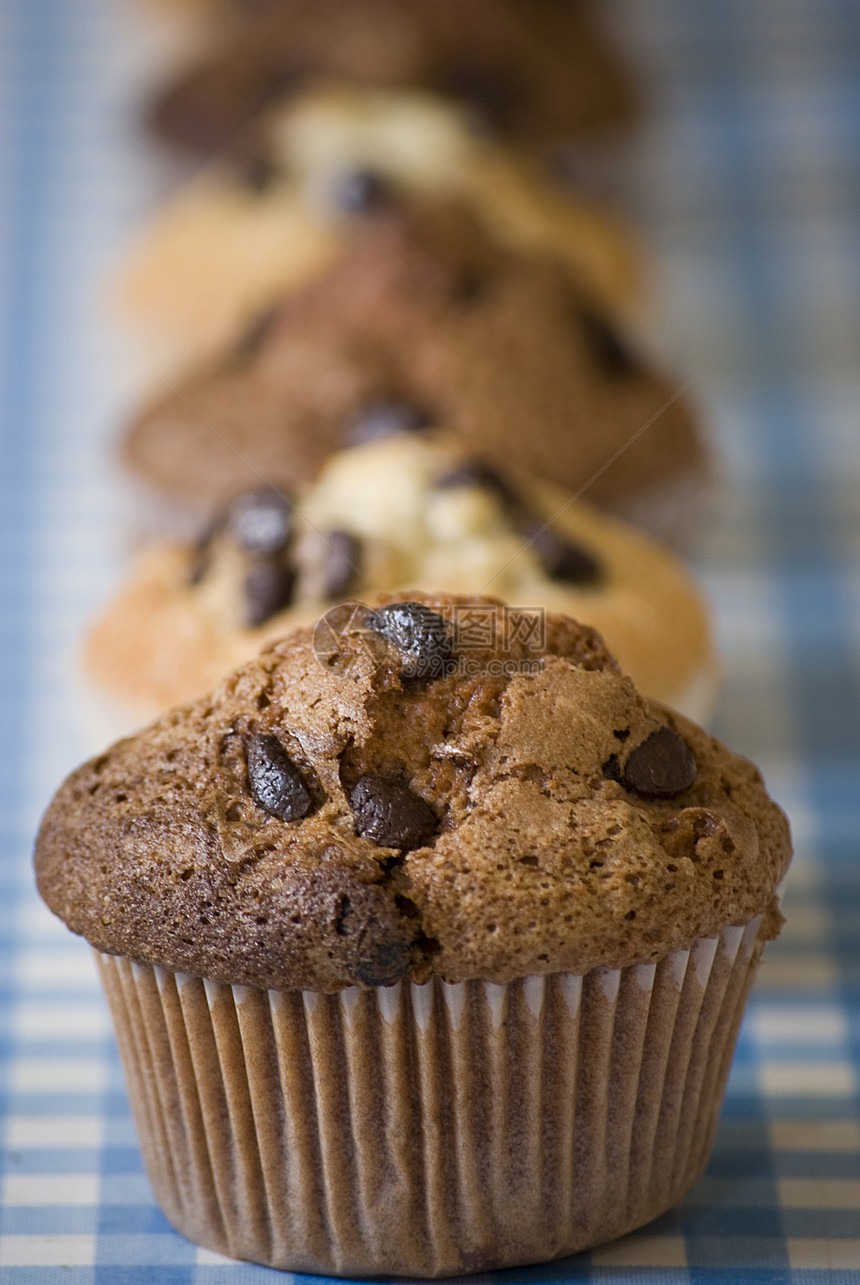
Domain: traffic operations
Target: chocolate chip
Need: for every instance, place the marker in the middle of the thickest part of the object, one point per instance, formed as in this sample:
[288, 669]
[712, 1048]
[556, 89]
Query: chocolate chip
[385, 418]
[388, 963]
[388, 813]
[276, 783]
[250, 343]
[491, 93]
[201, 557]
[607, 347]
[269, 587]
[476, 473]
[258, 172]
[560, 558]
[343, 553]
[200, 560]
[661, 767]
[567, 166]
[281, 82]
[470, 285]
[361, 192]
[342, 913]
[422, 637]
[612, 769]
[261, 521]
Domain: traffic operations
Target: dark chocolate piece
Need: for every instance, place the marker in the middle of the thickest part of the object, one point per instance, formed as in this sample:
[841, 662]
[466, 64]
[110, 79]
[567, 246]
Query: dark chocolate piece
[477, 473]
[252, 340]
[389, 962]
[388, 813]
[560, 558]
[490, 92]
[201, 557]
[385, 418]
[661, 767]
[276, 783]
[269, 588]
[362, 192]
[343, 555]
[422, 637]
[258, 172]
[608, 348]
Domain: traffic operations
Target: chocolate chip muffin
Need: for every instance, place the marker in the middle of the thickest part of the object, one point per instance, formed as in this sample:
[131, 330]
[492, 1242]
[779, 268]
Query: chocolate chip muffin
[402, 510]
[390, 919]
[424, 320]
[533, 70]
[257, 224]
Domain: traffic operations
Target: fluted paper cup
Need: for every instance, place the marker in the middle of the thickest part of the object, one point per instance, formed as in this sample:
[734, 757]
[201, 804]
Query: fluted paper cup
[429, 1130]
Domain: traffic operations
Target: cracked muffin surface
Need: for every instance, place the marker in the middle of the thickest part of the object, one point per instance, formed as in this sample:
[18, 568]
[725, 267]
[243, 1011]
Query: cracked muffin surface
[434, 786]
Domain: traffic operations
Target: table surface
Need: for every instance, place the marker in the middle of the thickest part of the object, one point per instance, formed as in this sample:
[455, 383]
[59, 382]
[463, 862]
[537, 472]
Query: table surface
[746, 183]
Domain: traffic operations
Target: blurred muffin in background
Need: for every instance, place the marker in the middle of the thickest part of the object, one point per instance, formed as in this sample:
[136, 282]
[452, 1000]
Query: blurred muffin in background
[422, 320]
[265, 219]
[396, 513]
[536, 71]
[440, 939]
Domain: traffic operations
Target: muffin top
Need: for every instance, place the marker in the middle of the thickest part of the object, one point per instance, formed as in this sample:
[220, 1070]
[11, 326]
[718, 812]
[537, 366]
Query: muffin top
[535, 70]
[424, 321]
[407, 509]
[434, 786]
[251, 227]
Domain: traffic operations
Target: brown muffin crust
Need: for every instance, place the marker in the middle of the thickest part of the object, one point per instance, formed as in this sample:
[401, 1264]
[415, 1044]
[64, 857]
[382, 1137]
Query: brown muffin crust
[423, 310]
[548, 851]
[535, 70]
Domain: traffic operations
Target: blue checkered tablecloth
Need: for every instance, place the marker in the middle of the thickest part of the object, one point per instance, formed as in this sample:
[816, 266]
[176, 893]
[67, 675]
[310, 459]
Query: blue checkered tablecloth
[747, 184]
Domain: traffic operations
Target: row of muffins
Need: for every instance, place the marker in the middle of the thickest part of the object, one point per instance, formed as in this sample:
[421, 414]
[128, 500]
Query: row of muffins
[384, 268]
[426, 936]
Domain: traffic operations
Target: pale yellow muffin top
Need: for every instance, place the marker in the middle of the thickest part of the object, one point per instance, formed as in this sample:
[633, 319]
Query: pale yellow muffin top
[253, 227]
[403, 510]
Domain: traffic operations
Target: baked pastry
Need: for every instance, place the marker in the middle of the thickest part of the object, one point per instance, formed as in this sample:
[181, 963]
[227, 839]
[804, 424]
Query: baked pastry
[424, 314]
[426, 939]
[533, 70]
[258, 224]
[403, 510]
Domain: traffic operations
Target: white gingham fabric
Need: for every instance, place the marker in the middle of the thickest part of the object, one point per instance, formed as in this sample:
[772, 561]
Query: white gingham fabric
[747, 184]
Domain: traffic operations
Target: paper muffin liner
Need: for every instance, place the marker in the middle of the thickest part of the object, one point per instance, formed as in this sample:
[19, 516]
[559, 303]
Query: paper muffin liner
[429, 1130]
